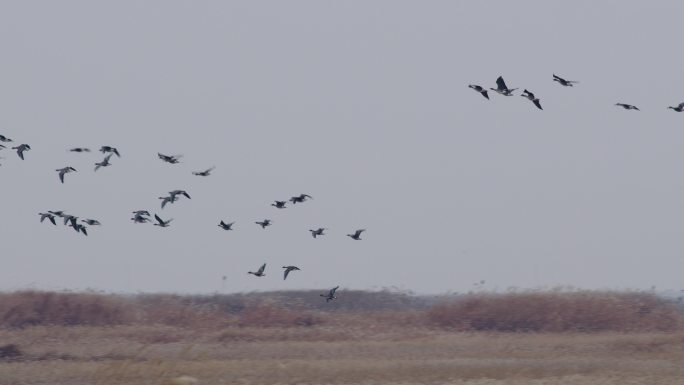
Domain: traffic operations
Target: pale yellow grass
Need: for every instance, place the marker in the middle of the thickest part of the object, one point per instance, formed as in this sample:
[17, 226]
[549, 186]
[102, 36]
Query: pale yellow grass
[142, 355]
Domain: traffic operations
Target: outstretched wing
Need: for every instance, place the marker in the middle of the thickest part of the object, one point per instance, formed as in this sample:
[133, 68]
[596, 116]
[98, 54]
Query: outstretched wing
[287, 272]
[161, 222]
[333, 290]
[358, 232]
[536, 103]
[681, 105]
[262, 268]
[500, 84]
[558, 78]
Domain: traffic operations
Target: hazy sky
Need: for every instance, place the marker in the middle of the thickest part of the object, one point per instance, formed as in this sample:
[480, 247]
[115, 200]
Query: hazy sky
[365, 106]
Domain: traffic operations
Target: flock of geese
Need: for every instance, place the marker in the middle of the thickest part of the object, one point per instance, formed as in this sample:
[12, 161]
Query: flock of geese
[144, 216]
[502, 89]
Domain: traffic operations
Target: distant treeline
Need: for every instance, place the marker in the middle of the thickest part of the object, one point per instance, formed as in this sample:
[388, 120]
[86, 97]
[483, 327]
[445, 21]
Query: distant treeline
[533, 311]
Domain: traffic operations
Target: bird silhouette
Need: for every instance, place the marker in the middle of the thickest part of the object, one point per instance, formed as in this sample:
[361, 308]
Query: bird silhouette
[627, 106]
[226, 226]
[110, 149]
[279, 204]
[528, 95]
[63, 171]
[206, 172]
[265, 223]
[287, 271]
[20, 150]
[317, 232]
[260, 272]
[161, 222]
[357, 235]
[501, 87]
[563, 82]
[331, 294]
[480, 90]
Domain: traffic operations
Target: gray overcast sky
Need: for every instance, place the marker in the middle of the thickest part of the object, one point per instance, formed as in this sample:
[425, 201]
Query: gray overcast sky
[365, 106]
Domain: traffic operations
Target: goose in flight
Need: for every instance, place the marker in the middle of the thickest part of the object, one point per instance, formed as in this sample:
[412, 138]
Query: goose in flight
[265, 223]
[301, 198]
[331, 294]
[206, 172]
[501, 87]
[627, 106]
[80, 228]
[260, 272]
[49, 216]
[110, 149]
[528, 95]
[5, 139]
[161, 222]
[63, 171]
[288, 269]
[679, 108]
[104, 163]
[80, 149]
[140, 218]
[168, 199]
[175, 193]
[563, 82]
[173, 159]
[357, 235]
[20, 150]
[226, 226]
[480, 90]
[91, 222]
[317, 232]
[70, 219]
[279, 204]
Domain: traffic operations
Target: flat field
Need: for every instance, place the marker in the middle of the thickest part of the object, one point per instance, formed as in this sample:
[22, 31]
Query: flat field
[387, 347]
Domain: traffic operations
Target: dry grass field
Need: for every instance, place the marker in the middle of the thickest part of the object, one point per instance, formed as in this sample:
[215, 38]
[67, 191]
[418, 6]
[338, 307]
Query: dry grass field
[383, 338]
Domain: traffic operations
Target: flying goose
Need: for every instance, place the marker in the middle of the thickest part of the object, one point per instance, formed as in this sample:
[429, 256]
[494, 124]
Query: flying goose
[49, 216]
[317, 232]
[111, 149]
[301, 198]
[173, 159]
[104, 162]
[140, 218]
[480, 90]
[627, 106]
[20, 150]
[174, 194]
[288, 269]
[168, 199]
[80, 149]
[265, 223]
[63, 171]
[279, 204]
[5, 139]
[161, 222]
[357, 235]
[528, 95]
[563, 82]
[206, 172]
[260, 272]
[679, 108]
[91, 222]
[70, 219]
[331, 294]
[501, 87]
[80, 228]
[226, 226]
